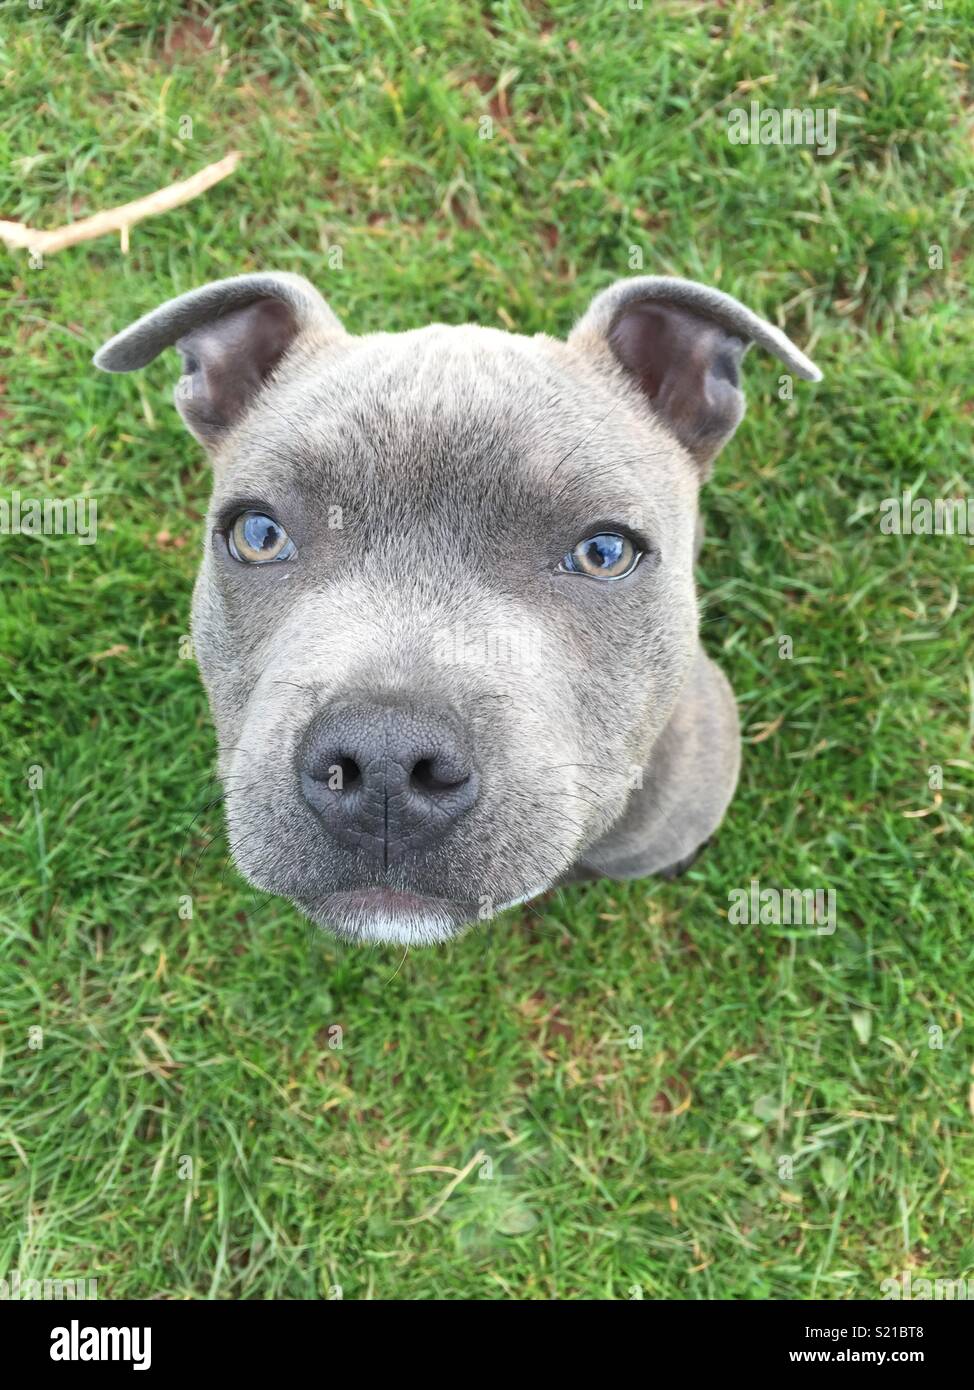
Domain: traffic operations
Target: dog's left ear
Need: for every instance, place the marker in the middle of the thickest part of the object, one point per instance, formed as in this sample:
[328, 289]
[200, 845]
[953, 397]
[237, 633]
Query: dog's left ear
[231, 335]
[681, 343]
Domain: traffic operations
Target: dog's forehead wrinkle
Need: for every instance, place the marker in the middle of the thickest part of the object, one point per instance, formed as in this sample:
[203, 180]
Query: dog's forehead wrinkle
[392, 444]
[439, 379]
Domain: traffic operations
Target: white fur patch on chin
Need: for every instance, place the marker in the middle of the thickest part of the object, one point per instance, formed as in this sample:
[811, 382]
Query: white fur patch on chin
[406, 931]
[421, 929]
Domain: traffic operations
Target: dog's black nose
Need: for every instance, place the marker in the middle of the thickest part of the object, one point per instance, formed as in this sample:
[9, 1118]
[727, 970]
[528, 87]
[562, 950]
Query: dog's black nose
[388, 780]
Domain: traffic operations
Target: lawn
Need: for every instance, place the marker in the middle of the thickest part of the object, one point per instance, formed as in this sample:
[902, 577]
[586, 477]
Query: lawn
[617, 1092]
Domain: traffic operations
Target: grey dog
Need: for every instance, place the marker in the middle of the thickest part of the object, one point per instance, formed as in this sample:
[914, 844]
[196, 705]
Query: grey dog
[446, 614]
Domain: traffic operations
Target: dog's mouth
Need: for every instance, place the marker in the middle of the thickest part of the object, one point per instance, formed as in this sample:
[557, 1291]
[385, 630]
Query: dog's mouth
[392, 915]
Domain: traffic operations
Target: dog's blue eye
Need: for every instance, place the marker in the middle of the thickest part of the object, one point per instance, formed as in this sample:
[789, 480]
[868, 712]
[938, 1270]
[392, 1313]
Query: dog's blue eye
[257, 539]
[605, 556]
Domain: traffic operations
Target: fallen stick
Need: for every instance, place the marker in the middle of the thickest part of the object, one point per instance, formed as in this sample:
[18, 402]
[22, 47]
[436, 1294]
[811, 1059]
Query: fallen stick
[19, 237]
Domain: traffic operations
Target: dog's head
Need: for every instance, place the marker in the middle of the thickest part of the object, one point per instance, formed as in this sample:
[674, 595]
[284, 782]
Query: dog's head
[446, 604]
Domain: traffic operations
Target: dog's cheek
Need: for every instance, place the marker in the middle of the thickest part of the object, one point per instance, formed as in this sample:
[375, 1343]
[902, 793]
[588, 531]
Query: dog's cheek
[228, 654]
[632, 661]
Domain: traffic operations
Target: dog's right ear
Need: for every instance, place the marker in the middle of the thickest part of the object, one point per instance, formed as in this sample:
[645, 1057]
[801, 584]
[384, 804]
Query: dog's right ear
[231, 334]
[681, 344]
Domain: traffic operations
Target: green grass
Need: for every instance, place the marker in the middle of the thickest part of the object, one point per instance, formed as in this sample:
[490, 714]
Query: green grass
[611, 1167]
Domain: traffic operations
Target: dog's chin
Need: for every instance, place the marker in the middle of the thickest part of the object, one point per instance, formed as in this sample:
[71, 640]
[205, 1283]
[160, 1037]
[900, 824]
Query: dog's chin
[375, 915]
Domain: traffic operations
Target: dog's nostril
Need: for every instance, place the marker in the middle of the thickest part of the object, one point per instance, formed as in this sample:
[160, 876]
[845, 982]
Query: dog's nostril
[426, 777]
[335, 771]
[345, 774]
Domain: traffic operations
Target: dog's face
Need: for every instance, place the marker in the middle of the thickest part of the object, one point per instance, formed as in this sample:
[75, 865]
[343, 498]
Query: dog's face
[446, 605]
[434, 487]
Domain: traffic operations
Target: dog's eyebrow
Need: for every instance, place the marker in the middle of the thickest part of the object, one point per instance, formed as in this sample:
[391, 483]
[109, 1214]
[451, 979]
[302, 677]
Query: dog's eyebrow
[583, 501]
[603, 474]
[602, 490]
[584, 439]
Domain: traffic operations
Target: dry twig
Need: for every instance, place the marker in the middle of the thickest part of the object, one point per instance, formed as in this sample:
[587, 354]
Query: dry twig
[18, 236]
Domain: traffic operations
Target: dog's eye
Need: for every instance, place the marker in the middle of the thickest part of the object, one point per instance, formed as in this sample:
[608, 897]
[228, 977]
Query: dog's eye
[605, 556]
[257, 539]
